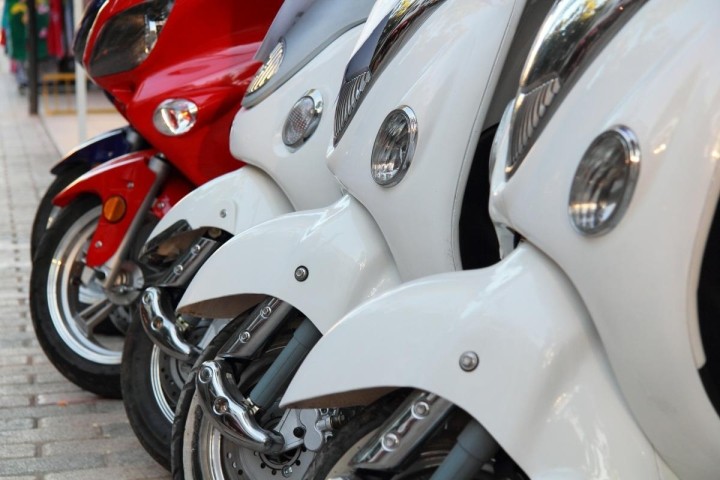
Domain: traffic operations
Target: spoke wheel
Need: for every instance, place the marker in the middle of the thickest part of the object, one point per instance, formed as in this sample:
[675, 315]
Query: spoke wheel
[151, 384]
[70, 310]
[200, 452]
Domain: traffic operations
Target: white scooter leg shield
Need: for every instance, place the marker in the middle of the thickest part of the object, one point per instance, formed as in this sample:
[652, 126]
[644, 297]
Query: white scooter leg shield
[542, 387]
[323, 262]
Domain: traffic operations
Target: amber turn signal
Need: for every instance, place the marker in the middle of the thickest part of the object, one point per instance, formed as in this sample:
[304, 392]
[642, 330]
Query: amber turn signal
[114, 209]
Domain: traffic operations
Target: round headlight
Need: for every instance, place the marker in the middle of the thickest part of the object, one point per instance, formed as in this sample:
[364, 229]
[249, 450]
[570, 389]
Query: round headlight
[394, 147]
[604, 181]
[303, 119]
[175, 116]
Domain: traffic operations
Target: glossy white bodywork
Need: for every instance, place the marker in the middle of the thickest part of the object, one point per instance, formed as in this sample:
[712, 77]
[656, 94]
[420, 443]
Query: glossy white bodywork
[447, 74]
[300, 175]
[639, 281]
[233, 202]
[341, 247]
[543, 387]
[428, 200]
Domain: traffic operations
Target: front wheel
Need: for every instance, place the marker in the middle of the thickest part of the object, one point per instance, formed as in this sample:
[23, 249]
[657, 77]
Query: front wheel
[201, 452]
[70, 309]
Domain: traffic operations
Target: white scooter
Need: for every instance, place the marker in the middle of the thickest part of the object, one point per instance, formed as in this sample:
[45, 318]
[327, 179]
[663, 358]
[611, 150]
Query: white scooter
[285, 124]
[591, 350]
[432, 77]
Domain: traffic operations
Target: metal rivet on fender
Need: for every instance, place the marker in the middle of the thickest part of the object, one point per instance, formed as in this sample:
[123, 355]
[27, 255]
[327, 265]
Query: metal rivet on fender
[301, 274]
[223, 213]
[98, 244]
[469, 361]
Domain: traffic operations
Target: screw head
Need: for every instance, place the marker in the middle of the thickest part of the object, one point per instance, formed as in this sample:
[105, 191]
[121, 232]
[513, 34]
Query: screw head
[157, 323]
[420, 409]
[299, 432]
[178, 269]
[245, 337]
[205, 374]
[287, 471]
[223, 213]
[220, 405]
[196, 249]
[469, 361]
[98, 244]
[390, 441]
[160, 205]
[130, 185]
[147, 298]
[301, 274]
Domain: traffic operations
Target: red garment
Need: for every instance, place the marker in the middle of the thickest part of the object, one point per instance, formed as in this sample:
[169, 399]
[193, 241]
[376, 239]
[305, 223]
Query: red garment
[55, 30]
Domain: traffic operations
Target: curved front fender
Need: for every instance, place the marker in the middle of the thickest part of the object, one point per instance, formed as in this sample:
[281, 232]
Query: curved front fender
[542, 387]
[341, 247]
[101, 148]
[232, 202]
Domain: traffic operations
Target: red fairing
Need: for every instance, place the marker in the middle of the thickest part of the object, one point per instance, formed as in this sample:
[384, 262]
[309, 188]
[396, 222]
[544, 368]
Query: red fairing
[204, 54]
[130, 177]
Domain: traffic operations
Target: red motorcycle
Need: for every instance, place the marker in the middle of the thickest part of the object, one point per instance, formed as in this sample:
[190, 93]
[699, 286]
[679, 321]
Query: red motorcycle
[178, 72]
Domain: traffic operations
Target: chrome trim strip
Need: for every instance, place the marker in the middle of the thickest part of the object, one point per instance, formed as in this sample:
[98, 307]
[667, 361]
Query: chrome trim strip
[572, 36]
[185, 267]
[256, 329]
[369, 60]
[399, 437]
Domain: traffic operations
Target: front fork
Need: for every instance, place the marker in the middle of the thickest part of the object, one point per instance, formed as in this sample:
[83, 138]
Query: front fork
[236, 415]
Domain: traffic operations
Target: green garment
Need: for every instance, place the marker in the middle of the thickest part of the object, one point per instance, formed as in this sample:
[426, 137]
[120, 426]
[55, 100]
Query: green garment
[16, 17]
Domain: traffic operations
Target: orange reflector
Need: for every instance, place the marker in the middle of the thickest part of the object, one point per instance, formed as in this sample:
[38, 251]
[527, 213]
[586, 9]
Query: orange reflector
[114, 209]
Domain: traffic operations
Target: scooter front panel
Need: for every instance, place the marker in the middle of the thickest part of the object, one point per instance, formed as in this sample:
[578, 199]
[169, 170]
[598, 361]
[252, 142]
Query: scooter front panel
[639, 281]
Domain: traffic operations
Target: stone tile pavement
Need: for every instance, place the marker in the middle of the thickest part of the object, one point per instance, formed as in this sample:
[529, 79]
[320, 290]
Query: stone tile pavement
[49, 428]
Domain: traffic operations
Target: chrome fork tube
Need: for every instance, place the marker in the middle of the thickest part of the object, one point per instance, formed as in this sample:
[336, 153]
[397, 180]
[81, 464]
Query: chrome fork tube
[403, 433]
[161, 169]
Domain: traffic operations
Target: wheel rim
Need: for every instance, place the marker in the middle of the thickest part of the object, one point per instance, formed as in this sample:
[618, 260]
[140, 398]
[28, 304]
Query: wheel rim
[224, 460]
[167, 376]
[74, 290]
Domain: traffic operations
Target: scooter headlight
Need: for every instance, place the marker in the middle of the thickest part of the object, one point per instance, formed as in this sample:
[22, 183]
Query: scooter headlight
[269, 68]
[604, 182]
[127, 39]
[303, 119]
[572, 35]
[394, 147]
[175, 116]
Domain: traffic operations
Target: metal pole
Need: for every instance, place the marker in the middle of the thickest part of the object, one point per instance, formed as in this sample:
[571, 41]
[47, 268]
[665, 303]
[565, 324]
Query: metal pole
[32, 49]
[80, 81]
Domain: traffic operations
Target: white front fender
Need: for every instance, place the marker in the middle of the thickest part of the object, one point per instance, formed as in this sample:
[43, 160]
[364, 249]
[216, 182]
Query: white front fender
[341, 247]
[542, 388]
[232, 202]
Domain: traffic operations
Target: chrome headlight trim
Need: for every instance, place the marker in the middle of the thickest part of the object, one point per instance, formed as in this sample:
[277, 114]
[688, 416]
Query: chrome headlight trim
[573, 34]
[294, 139]
[269, 68]
[369, 60]
[400, 128]
[604, 182]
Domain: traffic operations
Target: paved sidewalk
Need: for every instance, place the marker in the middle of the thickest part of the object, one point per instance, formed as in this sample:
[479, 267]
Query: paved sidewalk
[49, 428]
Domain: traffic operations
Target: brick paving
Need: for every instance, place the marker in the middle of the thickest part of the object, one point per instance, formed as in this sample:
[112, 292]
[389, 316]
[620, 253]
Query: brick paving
[49, 428]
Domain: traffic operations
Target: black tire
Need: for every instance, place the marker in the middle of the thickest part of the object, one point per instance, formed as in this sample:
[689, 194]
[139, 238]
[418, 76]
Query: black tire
[47, 212]
[186, 396]
[147, 415]
[60, 287]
